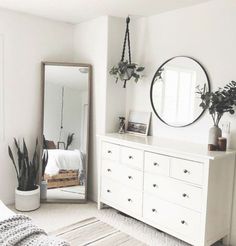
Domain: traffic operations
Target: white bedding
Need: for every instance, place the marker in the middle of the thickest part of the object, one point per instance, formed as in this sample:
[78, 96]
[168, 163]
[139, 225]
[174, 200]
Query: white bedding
[5, 212]
[63, 159]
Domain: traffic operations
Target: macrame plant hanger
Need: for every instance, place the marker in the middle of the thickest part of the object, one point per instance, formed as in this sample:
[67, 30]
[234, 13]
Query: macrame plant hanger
[126, 41]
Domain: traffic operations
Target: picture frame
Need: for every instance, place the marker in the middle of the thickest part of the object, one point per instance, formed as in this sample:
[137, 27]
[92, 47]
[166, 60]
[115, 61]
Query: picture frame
[138, 123]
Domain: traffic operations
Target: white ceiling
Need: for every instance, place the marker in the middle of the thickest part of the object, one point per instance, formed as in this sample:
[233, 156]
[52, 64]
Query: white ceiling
[75, 11]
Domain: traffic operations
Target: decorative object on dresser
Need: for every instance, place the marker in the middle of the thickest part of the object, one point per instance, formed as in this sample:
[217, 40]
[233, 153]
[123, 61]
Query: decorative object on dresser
[225, 126]
[173, 91]
[177, 187]
[125, 70]
[27, 194]
[218, 103]
[66, 105]
[138, 122]
[122, 125]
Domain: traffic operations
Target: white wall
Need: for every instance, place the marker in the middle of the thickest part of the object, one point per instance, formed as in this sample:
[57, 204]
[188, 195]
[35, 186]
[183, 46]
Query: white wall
[116, 94]
[28, 40]
[90, 44]
[52, 111]
[205, 32]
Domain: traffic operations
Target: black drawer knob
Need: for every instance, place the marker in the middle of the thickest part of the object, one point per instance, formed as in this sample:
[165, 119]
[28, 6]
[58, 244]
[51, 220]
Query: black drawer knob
[186, 171]
[108, 191]
[156, 164]
[129, 200]
[153, 210]
[109, 151]
[184, 195]
[154, 185]
[129, 177]
[131, 157]
[109, 170]
[183, 222]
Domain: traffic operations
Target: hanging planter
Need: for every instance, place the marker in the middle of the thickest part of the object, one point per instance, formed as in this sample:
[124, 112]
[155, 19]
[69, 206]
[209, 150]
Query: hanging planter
[125, 69]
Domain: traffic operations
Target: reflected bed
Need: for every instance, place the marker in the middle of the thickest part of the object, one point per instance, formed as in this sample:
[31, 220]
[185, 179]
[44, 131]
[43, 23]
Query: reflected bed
[64, 168]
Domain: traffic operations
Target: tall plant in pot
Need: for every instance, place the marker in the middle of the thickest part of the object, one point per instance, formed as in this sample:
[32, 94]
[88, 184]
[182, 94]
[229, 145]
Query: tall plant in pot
[218, 103]
[27, 194]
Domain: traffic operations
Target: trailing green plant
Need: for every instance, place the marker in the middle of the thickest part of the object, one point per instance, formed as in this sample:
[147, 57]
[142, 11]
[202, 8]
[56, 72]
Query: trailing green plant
[219, 102]
[124, 71]
[26, 170]
[69, 141]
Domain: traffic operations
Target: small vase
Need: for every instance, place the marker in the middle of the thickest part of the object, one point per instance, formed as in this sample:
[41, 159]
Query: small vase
[43, 189]
[122, 125]
[214, 133]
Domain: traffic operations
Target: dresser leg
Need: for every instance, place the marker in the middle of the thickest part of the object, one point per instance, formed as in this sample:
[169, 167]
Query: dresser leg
[100, 205]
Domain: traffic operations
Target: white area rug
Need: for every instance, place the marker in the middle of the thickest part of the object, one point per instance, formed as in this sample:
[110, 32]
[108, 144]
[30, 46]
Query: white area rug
[138, 230]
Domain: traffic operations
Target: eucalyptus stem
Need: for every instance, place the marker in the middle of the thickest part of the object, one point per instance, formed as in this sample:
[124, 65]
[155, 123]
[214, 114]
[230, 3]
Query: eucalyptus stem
[213, 117]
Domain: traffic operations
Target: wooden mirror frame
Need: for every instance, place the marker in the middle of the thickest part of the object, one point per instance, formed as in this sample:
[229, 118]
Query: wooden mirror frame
[89, 66]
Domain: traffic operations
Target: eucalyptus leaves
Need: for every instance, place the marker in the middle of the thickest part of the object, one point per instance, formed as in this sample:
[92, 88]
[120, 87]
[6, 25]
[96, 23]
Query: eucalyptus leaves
[219, 102]
[124, 71]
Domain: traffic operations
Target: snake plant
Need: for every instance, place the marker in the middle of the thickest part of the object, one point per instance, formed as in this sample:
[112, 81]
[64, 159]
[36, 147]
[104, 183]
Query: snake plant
[26, 170]
[69, 141]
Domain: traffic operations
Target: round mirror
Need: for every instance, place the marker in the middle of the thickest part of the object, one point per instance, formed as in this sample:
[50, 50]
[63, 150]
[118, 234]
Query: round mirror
[174, 96]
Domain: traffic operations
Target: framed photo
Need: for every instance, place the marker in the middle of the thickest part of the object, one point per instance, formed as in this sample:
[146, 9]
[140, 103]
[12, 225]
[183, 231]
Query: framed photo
[138, 123]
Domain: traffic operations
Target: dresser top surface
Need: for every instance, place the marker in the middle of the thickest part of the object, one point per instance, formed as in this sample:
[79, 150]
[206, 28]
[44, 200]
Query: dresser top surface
[167, 145]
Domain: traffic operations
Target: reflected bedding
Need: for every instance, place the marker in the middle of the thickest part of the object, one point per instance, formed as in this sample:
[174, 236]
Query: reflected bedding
[63, 160]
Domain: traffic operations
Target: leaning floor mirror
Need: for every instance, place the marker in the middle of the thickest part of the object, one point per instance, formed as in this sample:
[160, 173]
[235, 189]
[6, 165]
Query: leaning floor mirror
[65, 131]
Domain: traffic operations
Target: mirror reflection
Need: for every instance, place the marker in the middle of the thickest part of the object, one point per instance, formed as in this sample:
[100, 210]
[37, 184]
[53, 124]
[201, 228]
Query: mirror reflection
[66, 112]
[173, 91]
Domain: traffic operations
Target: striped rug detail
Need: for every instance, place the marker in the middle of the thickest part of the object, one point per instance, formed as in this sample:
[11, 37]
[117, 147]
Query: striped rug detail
[95, 233]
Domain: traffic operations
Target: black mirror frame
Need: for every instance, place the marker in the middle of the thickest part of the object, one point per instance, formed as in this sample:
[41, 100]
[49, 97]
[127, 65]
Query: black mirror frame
[153, 81]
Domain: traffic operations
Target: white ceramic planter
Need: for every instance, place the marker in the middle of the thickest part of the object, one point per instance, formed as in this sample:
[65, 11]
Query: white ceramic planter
[43, 189]
[27, 200]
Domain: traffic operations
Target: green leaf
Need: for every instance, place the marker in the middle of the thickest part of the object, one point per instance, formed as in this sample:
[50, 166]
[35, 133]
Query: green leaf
[140, 69]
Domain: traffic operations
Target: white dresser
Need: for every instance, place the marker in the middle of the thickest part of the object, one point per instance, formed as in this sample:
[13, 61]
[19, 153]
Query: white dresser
[179, 188]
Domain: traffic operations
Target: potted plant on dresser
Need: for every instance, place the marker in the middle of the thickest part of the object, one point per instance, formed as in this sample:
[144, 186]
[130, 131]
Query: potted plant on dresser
[218, 103]
[27, 194]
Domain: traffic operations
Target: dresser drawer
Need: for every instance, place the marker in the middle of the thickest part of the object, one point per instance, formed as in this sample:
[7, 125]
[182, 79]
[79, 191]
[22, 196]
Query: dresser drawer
[181, 220]
[110, 169]
[187, 171]
[174, 191]
[110, 191]
[132, 157]
[110, 151]
[131, 200]
[131, 177]
[122, 174]
[155, 163]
